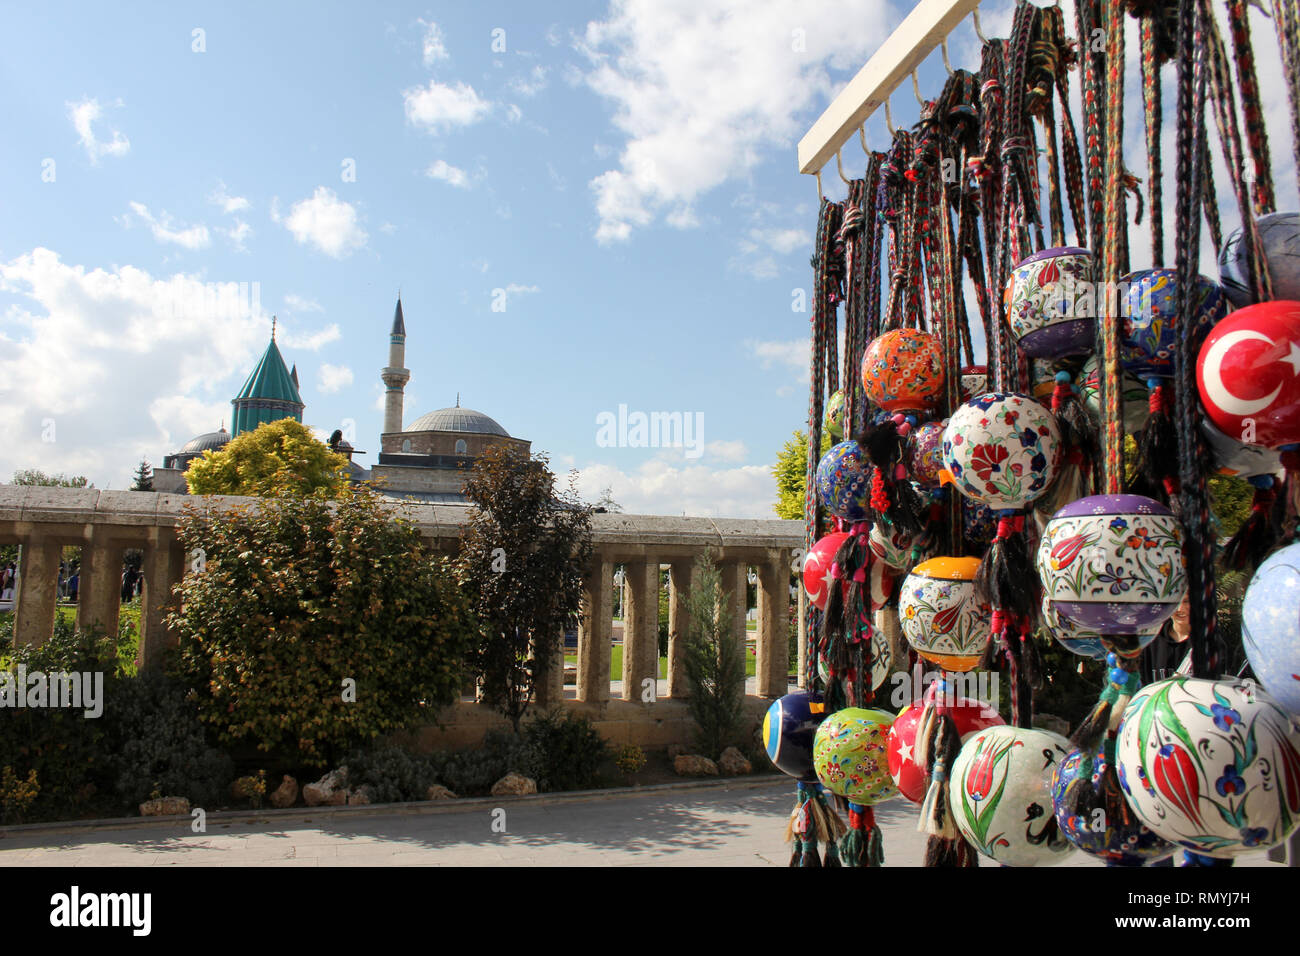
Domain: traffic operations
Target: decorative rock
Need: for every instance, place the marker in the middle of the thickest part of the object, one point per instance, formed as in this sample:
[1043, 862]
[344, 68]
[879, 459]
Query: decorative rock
[285, 795]
[165, 807]
[514, 785]
[733, 763]
[362, 797]
[676, 750]
[439, 792]
[693, 765]
[328, 791]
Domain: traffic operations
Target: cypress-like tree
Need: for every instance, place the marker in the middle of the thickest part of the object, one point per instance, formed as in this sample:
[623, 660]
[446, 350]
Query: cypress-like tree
[143, 476]
[715, 660]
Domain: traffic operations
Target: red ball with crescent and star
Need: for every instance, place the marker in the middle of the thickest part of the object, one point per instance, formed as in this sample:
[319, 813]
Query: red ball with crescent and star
[968, 715]
[1248, 374]
[817, 567]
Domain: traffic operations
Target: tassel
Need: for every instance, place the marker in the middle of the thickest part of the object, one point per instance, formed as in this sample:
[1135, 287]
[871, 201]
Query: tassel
[1122, 683]
[1157, 449]
[1079, 442]
[891, 492]
[1006, 578]
[863, 845]
[1258, 533]
[945, 845]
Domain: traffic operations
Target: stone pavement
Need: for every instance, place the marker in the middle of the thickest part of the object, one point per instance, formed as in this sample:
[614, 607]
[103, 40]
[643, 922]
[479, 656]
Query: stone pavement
[739, 824]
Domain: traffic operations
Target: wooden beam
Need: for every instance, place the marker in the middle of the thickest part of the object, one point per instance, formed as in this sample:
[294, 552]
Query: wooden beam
[916, 37]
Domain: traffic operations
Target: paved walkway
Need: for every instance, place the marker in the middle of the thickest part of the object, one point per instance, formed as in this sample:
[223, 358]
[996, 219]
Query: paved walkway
[724, 826]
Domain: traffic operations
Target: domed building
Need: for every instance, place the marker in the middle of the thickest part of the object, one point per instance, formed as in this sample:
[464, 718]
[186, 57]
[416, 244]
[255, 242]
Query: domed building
[427, 460]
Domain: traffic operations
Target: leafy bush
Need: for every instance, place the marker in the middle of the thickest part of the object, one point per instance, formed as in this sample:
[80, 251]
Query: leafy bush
[630, 759]
[569, 749]
[472, 773]
[299, 596]
[394, 774]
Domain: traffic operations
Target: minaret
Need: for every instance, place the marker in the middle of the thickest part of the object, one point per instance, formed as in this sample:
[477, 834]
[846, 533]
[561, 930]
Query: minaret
[395, 376]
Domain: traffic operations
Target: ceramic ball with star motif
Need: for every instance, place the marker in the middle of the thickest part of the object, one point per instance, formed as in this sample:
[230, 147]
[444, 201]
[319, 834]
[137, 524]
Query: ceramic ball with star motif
[817, 576]
[1270, 626]
[1002, 449]
[968, 715]
[1248, 374]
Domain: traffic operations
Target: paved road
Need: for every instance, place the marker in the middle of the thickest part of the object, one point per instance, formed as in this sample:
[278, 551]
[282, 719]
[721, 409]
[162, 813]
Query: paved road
[731, 826]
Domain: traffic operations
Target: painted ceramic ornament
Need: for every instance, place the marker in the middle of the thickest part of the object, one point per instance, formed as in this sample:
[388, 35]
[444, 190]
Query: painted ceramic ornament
[941, 617]
[1270, 626]
[1150, 328]
[1081, 640]
[817, 567]
[1113, 563]
[1135, 399]
[1238, 459]
[1092, 813]
[1042, 381]
[968, 716]
[1050, 306]
[1279, 232]
[979, 525]
[902, 371]
[880, 662]
[1248, 374]
[893, 547]
[1001, 784]
[925, 453]
[849, 755]
[844, 481]
[789, 727]
[1002, 449]
[1211, 765]
[974, 381]
[833, 421]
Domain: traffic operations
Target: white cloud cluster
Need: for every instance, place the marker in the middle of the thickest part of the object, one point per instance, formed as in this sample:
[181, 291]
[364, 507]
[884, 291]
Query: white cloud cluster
[667, 487]
[433, 46]
[164, 230]
[84, 114]
[326, 222]
[449, 174]
[439, 106]
[333, 378]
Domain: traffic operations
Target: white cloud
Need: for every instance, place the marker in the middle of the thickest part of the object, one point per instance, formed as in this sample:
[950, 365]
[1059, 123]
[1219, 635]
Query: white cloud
[703, 91]
[434, 48]
[755, 255]
[451, 175]
[326, 222]
[191, 237]
[310, 341]
[237, 234]
[662, 486]
[529, 85]
[84, 115]
[122, 363]
[726, 450]
[296, 303]
[439, 106]
[792, 352]
[228, 203]
[334, 377]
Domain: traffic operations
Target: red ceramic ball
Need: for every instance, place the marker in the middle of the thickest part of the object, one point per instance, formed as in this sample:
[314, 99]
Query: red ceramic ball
[817, 567]
[900, 745]
[1248, 374]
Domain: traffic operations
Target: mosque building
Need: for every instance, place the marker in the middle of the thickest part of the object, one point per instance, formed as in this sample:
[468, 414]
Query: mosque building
[424, 461]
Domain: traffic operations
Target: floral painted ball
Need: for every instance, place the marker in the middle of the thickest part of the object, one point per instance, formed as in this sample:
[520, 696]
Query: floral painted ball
[817, 578]
[1135, 399]
[1150, 328]
[1211, 765]
[844, 481]
[941, 617]
[1248, 374]
[833, 421]
[1002, 449]
[1080, 640]
[1093, 815]
[974, 381]
[1113, 563]
[789, 727]
[893, 547]
[1050, 304]
[925, 453]
[968, 715]
[1280, 234]
[979, 525]
[1270, 626]
[902, 371]
[849, 755]
[1001, 792]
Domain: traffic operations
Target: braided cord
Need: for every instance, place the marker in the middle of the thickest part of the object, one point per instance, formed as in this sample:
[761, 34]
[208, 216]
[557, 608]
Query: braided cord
[1252, 111]
[1286, 20]
[1151, 98]
[1109, 312]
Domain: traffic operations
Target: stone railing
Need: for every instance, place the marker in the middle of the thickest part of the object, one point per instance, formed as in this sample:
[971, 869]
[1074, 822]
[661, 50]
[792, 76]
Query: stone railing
[103, 524]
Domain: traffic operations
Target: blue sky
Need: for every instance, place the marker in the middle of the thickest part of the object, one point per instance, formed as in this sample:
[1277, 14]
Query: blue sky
[620, 175]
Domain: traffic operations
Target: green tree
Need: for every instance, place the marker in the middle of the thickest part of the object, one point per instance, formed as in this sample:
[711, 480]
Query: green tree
[715, 660]
[315, 625]
[523, 554]
[34, 476]
[143, 476]
[276, 458]
[790, 471]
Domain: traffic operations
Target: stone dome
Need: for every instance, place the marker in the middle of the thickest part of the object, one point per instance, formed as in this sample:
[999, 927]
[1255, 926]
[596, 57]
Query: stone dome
[210, 441]
[457, 420]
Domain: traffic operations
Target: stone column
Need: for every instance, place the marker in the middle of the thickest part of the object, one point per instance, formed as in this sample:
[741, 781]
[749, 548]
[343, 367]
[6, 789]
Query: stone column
[38, 582]
[679, 586]
[734, 589]
[164, 565]
[641, 630]
[773, 665]
[100, 593]
[548, 685]
[803, 635]
[595, 632]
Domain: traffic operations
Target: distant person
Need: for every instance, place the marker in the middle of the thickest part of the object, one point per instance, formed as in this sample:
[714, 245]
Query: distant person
[7, 583]
[74, 584]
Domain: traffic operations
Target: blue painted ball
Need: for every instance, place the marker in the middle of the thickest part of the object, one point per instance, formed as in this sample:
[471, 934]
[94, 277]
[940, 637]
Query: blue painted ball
[1093, 815]
[1150, 320]
[789, 729]
[844, 481]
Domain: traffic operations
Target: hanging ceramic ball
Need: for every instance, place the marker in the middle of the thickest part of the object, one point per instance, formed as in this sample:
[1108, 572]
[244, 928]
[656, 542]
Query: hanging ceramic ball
[881, 662]
[833, 421]
[968, 715]
[1211, 765]
[1001, 784]
[849, 755]
[1113, 563]
[979, 525]
[1135, 398]
[1050, 304]
[1237, 459]
[1081, 640]
[1042, 381]
[1270, 626]
[941, 617]
[1150, 327]
[1093, 815]
[1002, 449]
[974, 381]
[789, 727]
[844, 481]
[817, 567]
[902, 371]
[925, 453]
[893, 547]
[1279, 232]
[1248, 374]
